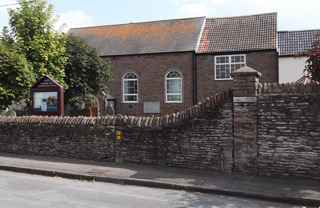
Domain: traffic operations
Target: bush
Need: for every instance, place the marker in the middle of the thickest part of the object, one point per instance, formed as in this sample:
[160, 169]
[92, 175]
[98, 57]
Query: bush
[16, 77]
[313, 62]
[87, 76]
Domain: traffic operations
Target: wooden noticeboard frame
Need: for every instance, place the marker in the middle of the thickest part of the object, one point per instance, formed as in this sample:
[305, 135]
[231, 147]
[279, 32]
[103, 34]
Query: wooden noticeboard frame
[49, 86]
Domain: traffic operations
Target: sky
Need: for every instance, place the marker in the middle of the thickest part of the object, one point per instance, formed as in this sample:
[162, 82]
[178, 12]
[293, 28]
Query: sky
[292, 14]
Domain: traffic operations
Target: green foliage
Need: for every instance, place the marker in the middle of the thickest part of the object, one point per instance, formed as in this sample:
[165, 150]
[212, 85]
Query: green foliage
[313, 62]
[67, 59]
[86, 73]
[6, 37]
[31, 28]
[79, 104]
[15, 75]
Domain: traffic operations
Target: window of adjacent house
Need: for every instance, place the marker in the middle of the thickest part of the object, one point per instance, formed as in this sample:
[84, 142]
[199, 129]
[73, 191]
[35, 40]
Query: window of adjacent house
[225, 65]
[173, 87]
[130, 88]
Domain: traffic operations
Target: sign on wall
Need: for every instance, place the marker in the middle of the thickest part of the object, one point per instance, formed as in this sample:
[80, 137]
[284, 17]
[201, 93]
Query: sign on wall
[151, 107]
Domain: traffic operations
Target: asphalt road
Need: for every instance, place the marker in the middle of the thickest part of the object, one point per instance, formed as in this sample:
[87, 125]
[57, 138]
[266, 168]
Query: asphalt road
[31, 191]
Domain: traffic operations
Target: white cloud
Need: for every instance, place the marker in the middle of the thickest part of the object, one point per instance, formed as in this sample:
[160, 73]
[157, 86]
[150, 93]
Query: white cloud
[73, 18]
[65, 20]
[293, 14]
[204, 2]
[193, 8]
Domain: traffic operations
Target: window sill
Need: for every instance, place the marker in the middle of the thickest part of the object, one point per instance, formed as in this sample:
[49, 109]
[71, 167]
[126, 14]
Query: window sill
[173, 102]
[227, 79]
[130, 102]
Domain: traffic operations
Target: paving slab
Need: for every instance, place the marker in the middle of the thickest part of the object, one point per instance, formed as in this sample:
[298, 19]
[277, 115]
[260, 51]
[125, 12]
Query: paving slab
[280, 189]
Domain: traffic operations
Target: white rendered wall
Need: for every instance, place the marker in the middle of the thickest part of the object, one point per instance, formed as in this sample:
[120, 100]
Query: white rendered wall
[291, 68]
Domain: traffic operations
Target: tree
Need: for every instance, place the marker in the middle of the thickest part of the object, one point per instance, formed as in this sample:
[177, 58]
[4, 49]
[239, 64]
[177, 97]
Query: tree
[16, 77]
[313, 62]
[31, 28]
[87, 74]
[6, 37]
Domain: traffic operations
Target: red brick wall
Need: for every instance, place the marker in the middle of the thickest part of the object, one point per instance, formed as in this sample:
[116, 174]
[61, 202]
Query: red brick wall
[265, 62]
[151, 70]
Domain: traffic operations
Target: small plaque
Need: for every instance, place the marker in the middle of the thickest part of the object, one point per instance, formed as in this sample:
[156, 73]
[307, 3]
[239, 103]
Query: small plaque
[151, 107]
[245, 99]
[119, 135]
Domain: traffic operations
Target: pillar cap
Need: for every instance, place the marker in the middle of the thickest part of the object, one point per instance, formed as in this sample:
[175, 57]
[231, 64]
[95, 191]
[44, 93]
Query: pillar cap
[243, 71]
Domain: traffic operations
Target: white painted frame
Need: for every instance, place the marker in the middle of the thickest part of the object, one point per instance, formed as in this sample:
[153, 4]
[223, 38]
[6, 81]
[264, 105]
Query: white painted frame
[230, 63]
[123, 85]
[166, 86]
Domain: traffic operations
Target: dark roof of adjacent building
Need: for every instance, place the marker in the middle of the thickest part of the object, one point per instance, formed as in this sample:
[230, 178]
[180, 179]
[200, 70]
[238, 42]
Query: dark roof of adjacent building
[47, 81]
[176, 35]
[242, 33]
[296, 43]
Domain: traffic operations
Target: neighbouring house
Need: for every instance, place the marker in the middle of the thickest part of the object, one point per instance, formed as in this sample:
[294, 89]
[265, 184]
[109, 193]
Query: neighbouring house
[293, 47]
[165, 66]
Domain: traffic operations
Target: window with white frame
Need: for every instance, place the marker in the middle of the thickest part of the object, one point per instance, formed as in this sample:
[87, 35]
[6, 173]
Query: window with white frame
[173, 87]
[225, 65]
[130, 88]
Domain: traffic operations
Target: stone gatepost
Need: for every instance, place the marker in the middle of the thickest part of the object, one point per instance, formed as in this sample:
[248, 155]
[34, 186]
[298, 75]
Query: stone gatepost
[245, 91]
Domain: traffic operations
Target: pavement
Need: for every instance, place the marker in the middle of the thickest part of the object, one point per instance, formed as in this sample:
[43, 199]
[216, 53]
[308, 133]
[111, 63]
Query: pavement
[19, 190]
[291, 190]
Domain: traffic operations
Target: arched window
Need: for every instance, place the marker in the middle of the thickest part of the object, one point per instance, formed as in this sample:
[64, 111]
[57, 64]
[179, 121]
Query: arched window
[173, 87]
[130, 88]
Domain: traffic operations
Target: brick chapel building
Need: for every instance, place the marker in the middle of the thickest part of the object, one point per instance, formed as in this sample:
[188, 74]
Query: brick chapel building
[165, 66]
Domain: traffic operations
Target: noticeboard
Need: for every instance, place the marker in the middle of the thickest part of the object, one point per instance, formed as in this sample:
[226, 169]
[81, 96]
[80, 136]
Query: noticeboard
[47, 98]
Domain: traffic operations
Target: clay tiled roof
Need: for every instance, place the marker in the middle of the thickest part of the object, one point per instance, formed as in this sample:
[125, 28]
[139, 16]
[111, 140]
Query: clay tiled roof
[243, 33]
[145, 37]
[296, 43]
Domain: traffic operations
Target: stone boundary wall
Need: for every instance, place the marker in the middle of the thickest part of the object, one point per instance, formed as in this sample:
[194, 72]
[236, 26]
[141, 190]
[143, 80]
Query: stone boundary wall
[66, 141]
[288, 88]
[288, 136]
[200, 139]
[267, 129]
[276, 127]
[209, 103]
[205, 142]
